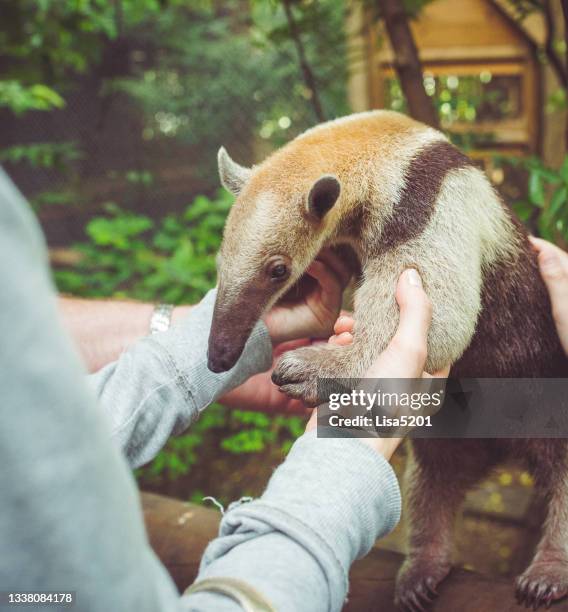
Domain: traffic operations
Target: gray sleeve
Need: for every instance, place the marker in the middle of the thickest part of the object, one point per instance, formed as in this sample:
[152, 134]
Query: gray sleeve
[323, 509]
[158, 387]
[71, 517]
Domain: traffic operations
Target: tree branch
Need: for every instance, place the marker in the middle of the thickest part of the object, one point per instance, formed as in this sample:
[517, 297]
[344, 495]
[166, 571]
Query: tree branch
[407, 62]
[307, 73]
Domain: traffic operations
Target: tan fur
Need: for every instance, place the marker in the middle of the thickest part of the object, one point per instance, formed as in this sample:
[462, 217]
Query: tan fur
[369, 154]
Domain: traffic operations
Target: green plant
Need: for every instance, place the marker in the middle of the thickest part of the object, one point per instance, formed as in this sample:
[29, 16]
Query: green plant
[20, 98]
[42, 154]
[545, 207]
[130, 255]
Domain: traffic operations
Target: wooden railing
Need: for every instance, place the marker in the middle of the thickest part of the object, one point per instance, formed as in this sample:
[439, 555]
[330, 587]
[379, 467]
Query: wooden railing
[179, 533]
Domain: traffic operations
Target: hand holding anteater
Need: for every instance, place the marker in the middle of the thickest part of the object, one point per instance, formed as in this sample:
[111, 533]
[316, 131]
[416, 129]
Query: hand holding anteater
[405, 356]
[553, 265]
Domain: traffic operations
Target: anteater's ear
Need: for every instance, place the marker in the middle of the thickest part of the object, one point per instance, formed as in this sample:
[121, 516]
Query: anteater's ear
[233, 176]
[323, 195]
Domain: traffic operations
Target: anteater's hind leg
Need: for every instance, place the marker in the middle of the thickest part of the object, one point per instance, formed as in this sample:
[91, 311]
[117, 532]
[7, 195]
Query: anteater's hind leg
[546, 578]
[436, 482]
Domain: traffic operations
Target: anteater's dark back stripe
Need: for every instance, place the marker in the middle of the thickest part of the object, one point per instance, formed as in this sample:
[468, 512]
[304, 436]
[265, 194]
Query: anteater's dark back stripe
[417, 202]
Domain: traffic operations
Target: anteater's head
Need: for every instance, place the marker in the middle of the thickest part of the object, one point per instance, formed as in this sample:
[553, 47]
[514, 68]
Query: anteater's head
[304, 197]
[282, 216]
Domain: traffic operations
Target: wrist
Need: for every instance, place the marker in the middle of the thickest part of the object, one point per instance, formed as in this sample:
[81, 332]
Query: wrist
[179, 313]
[384, 446]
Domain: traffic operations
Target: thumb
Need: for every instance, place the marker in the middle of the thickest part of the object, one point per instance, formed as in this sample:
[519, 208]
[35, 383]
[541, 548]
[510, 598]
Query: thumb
[554, 274]
[553, 265]
[410, 340]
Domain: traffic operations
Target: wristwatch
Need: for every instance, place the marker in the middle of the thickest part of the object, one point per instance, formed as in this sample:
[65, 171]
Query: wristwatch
[161, 318]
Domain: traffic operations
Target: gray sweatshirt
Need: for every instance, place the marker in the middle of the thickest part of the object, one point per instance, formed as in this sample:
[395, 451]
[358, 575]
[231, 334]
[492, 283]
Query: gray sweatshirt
[70, 517]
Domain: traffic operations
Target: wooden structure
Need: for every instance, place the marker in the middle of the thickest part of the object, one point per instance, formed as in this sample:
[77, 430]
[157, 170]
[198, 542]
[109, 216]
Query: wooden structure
[179, 533]
[476, 42]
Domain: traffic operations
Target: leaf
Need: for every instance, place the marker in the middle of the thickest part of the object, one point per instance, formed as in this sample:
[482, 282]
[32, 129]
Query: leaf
[50, 97]
[536, 188]
[550, 175]
[523, 210]
[544, 229]
[558, 200]
[564, 169]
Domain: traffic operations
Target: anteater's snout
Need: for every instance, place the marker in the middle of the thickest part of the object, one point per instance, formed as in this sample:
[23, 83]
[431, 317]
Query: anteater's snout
[221, 359]
[232, 323]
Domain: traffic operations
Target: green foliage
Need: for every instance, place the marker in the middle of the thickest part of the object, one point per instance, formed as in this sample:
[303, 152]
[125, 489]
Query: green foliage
[54, 198]
[545, 206]
[240, 431]
[53, 39]
[257, 87]
[130, 255]
[20, 98]
[255, 431]
[200, 73]
[42, 154]
[252, 439]
[466, 101]
[557, 101]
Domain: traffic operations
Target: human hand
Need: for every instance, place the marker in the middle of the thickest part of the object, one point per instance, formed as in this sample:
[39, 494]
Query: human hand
[405, 356]
[259, 393]
[553, 266]
[313, 309]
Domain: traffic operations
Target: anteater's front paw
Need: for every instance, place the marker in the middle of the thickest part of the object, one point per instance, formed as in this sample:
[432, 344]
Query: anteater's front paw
[416, 583]
[543, 582]
[297, 374]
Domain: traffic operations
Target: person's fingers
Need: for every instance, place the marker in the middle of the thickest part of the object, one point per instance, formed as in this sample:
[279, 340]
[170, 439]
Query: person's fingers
[539, 243]
[329, 282]
[337, 264]
[343, 339]
[553, 266]
[415, 317]
[344, 324]
[547, 250]
[443, 373]
[289, 345]
[405, 356]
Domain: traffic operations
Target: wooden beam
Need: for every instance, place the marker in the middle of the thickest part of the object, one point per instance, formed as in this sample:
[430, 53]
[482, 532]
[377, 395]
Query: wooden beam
[179, 533]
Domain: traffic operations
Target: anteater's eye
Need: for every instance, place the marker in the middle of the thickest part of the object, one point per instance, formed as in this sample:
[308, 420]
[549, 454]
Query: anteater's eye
[279, 272]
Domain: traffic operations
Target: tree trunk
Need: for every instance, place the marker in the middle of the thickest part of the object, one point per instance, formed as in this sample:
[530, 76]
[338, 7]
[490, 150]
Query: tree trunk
[407, 62]
[307, 73]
